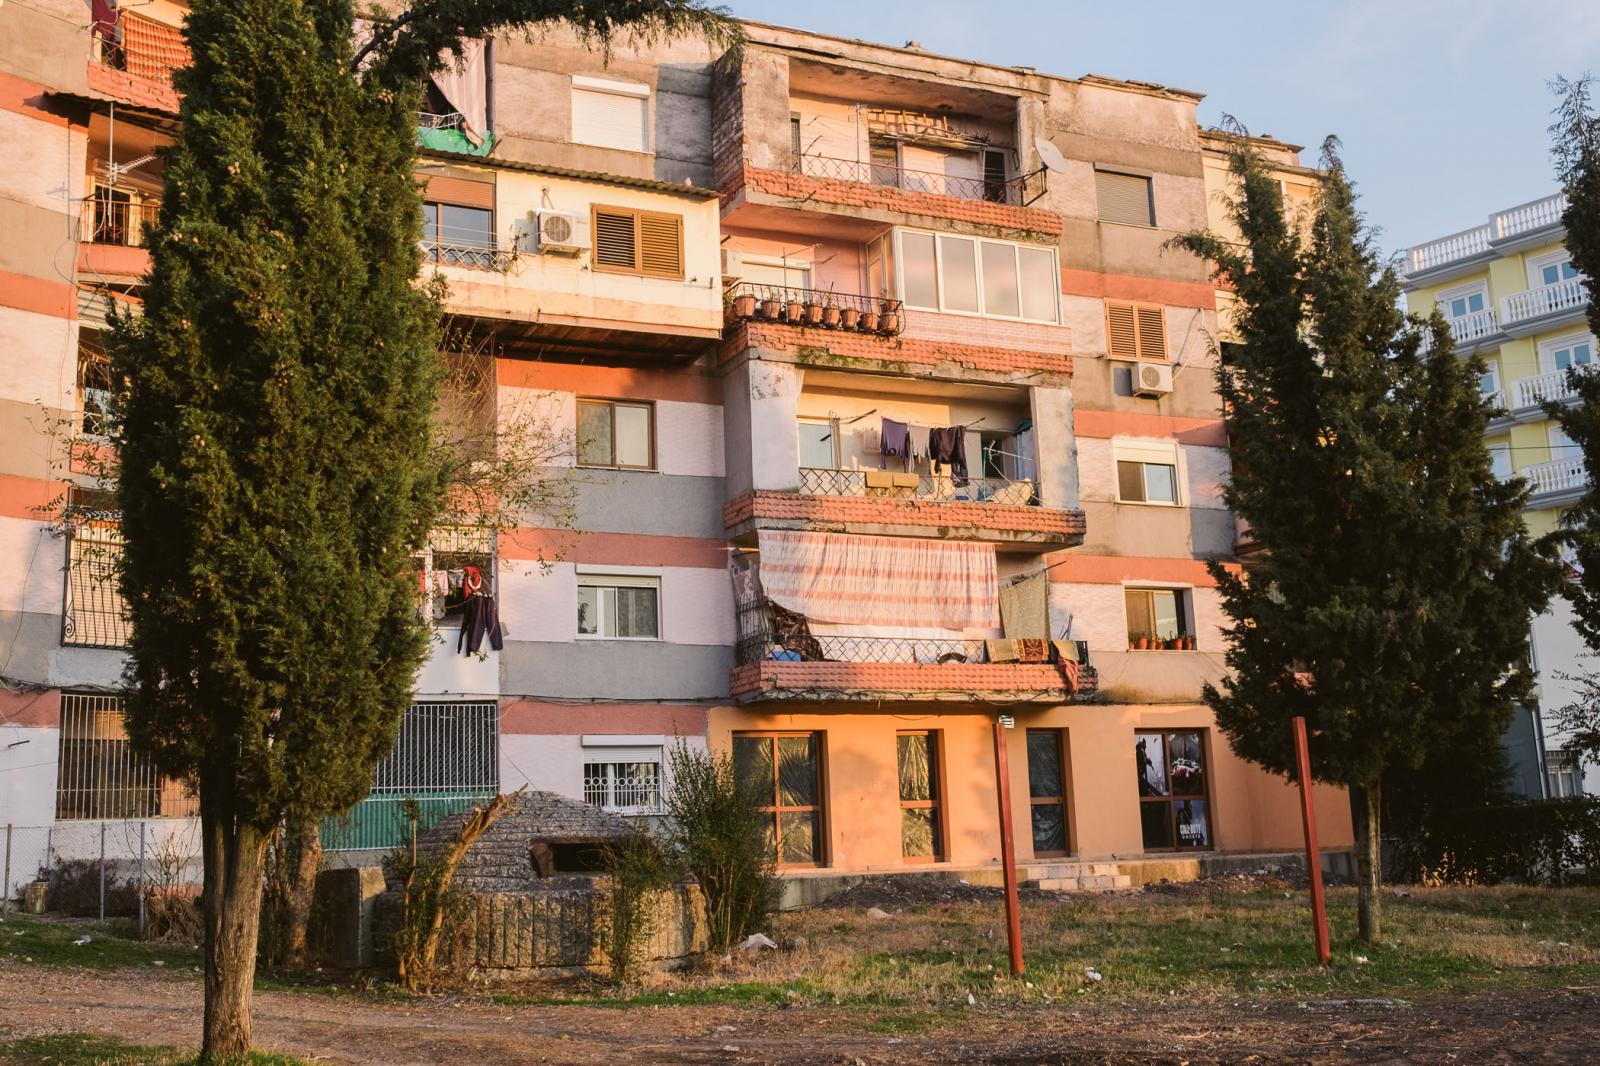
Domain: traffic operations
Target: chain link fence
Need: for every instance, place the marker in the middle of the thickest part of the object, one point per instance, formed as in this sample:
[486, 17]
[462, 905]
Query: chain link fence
[100, 869]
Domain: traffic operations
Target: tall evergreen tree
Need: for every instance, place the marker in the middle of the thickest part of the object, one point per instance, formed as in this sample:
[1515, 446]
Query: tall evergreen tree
[277, 463]
[1390, 605]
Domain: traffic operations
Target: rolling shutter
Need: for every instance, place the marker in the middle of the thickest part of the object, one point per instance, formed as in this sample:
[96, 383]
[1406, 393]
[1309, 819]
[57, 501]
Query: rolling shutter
[610, 115]
[1136, 331]
[615, 240]
[1124, 198]
[661, 245]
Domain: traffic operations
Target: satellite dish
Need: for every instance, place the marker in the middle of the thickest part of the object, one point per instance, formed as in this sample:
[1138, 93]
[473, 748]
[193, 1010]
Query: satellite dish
[1050, 155]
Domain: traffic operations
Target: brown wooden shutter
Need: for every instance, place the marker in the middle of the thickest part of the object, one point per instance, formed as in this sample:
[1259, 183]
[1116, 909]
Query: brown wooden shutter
[1152, 332]
[1124, 198]
[1122, 331]
[661, 245]
[616, 239]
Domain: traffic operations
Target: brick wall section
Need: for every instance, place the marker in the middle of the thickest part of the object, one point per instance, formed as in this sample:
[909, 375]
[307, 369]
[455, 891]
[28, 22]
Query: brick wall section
[1016, 680]
[727, 123]
[860, 194]
[953, 519]
[986, 332]
[134, 89]
[843, 346]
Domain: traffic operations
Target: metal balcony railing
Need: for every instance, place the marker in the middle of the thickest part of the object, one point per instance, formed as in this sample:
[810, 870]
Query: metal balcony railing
[121, 222]
[1017, 192]
[94, 614]
[823, 309]
[453, 120]
[1569, 295]
[934, 488]
[468, 255]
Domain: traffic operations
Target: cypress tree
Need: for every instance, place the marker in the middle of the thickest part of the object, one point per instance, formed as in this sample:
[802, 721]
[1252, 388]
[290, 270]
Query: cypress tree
[1390, 604]
[277, 466]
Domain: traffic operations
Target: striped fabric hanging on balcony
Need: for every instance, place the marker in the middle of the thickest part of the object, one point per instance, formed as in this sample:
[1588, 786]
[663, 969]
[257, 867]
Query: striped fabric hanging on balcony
[888, 581]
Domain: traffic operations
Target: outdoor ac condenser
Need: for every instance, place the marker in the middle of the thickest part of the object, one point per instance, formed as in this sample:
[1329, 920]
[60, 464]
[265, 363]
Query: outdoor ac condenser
[1152, 379]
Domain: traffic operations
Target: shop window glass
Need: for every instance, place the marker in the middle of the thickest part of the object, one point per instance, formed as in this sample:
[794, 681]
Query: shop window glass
[1174, 807]
[786, 769]
[917, 757]
[1047, 791]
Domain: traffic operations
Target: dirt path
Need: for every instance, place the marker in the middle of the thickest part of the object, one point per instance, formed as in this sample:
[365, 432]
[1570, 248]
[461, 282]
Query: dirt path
[1544, 1027]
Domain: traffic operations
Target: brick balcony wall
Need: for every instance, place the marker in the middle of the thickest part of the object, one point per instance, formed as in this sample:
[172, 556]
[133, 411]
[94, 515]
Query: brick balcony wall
[803, 187]
[953, 518]
[838, 346]
[138, 90]
[985, 332]
[1022, 680]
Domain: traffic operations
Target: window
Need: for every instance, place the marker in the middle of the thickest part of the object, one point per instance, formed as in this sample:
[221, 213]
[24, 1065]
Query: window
[884, 156]
[637, 242]
[1562, 775]
[456, 564]
[453, 235]
[1561, 445]
[98, 773]
[1125, 198]
[1551, 269]
[994, 177]
[1489, 380]
[630, 787]
[1500, 461]
[619, 607]
[921, 796]
[1146, 482]
[1156, 615]
[1136, 331]
[795, 144]
[1047, 790]
[818, 445]
[1172, 790]
[94, 385]
[786, 769]
[967, 275]
[1567, 353]
[610, 114]
[94, 614]
[760, 271]
[1461, 302]
[616, 433]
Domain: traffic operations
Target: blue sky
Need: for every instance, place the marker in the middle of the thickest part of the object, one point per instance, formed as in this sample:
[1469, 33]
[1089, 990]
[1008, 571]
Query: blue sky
[1442, 105]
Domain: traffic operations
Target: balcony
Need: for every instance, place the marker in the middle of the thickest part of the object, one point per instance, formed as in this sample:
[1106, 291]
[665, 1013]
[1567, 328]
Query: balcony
[1018, 192]
[774, 667]
[1557, 478]
[1541, 389]
[814, 309]
[447, 133]
[468, 255]
[1505, 230]
[112, 234]
[1458, 247]
[1469, 331]
[134, 59]
[1528, 218]
[1536, 309]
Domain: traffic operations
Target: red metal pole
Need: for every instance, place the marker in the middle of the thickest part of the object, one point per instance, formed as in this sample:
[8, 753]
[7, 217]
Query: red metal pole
[1308, 815]
[1008, 849]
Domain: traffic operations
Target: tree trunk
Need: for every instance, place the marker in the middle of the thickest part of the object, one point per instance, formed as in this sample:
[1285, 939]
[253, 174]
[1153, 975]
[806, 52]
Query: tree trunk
[235, 857]
[305, 853]
[1365, 805]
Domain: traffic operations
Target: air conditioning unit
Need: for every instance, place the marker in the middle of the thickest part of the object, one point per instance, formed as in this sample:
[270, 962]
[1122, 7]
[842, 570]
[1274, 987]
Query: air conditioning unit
[732, 264]
[1152, 379]
[558, 232]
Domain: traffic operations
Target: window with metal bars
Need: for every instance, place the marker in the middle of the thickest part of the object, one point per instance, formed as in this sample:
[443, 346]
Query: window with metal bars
[637, 242]
[93, 613]
[632, 787]
[443, 748]
[1136, 331]
[98, 774]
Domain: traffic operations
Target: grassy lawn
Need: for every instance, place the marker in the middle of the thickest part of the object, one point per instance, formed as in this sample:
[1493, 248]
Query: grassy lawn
[82, 1049]
[115, 945]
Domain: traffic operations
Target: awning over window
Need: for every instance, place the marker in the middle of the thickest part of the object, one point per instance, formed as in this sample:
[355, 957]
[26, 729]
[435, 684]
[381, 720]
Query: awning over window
[889, 581]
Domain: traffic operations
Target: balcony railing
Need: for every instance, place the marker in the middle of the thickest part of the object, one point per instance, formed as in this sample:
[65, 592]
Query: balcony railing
[1558, 475]
[118, 222]
[468, 255]
[94, 614]
[1467, 329]
[1528, 217]
[1463, 245]
[454, 120]
[1567, 295]
[935, 488]
[1017, 192]
[815, 307]
[1540, 389]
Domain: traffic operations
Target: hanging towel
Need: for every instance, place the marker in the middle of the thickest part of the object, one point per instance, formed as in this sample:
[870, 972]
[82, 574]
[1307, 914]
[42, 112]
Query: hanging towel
[896, 438]
[1001, 651]
[1070, 673]
[919, 442]
[1033, 651]
[1025, 607]
[1066, 651]
[948, 445]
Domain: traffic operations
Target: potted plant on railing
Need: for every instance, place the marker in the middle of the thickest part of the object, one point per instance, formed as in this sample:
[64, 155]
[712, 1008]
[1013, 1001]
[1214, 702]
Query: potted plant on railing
[830, 310]
[793, 309]
[813, 309]
[770, 306]
[1188, 642]
[889, 319]
[869, 321]
[1141, 641]
[849, 317]
[744, 305]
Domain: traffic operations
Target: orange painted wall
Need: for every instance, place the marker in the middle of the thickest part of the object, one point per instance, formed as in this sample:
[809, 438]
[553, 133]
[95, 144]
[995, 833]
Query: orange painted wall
[1251, 810]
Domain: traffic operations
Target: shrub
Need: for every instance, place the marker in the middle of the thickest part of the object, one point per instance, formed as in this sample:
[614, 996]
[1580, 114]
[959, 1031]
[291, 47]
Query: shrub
[639, 872]
[1550, 842]
[74, 889]
[717, 831]
[173, 916]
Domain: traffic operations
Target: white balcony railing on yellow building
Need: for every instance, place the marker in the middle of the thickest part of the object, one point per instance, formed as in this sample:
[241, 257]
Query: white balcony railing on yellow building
[1524, 218]
[1463, 245]
[1541, 388]
[1545, 300]
[1467, 329]
[1558, 475]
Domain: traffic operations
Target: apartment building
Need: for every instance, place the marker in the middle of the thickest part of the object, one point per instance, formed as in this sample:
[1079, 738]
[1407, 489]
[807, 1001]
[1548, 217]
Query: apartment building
[889, 417]
[1509, 292]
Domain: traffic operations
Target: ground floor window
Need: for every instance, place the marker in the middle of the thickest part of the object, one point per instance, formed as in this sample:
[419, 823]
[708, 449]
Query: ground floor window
[99, 776]
[1047, 790]
[921, 796]
[1562, 773]
[631, 786]
[1173, 809]
[787, 767]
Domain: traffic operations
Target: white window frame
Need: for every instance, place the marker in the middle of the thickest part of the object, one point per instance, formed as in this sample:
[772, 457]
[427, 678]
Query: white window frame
[613, 403]
[1537, 264]
[1498, 452]
[1571, 770]
[1548, 350]
[617, 577]
[1161, 453]
[1492, 367]
[812, 420]
[1561, 446]
[588, 83]
[1442, 300]
[611, 751]
[785, 265]
[978, 242]
[1183, 596]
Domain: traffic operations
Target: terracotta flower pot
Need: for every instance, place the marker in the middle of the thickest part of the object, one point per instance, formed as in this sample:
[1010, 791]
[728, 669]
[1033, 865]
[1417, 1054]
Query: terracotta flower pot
[769, 308]
[793, 310]
[744, 306]
[830, 317]
[851, 316]
[869, 321]
[889, 322]
[813, 314]
[1144, 643]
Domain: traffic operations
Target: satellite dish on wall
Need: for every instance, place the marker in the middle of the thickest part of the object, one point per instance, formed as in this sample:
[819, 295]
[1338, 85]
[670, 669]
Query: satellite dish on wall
[1050, 155]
